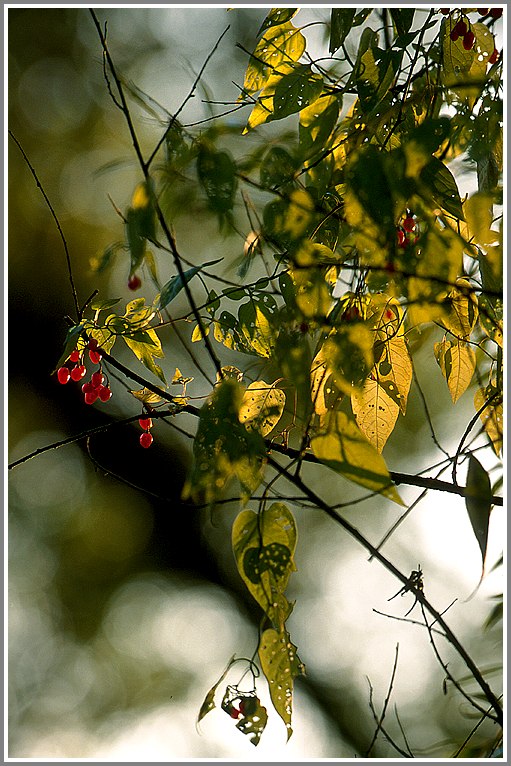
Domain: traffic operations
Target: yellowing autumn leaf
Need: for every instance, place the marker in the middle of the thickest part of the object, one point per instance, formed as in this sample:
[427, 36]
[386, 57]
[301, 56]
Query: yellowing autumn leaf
[457, 362]
[344, 448]
[462, 310]
[492, 417]
[375, 411]
[262, 407]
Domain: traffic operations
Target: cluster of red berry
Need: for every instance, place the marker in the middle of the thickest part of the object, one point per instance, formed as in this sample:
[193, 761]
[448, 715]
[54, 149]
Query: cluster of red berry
[75, 370]
[146, 439]
[407, 232]
[462, 29]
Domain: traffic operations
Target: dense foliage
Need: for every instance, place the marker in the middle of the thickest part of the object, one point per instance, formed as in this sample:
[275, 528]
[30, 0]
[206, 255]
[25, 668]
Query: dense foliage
[357, 242]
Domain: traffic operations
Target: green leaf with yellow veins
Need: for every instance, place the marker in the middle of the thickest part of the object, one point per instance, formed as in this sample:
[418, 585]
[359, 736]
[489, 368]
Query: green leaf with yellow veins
[376, 409]
[281, 665]
[280, 45]
[264, 545]
[262, 407]
[457, 362]
[492, 416]
[343, 447]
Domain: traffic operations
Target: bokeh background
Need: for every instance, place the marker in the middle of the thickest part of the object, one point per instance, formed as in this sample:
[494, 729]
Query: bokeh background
[124, 605]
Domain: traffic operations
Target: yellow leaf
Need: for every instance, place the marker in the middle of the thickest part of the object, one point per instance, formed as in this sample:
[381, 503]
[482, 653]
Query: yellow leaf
[394, 369]
[263, 108]
[313, 296]
[140, 198]
[478, 212]
[343, 447]
[457, 362]
[492, 417]
[462, 310]
[262, 407]
[376, 412]
[281, 44]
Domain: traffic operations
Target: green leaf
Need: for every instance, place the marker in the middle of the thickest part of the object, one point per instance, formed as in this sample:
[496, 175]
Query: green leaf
[264, 546]
[367, 180]
[262, 407]
[403, 19]
[217, 176]
[439, 183]
[173, 287]
[276, 17]
[209, 700]
[342, 446]
[102, 305]
[277, 168]
[102, 261]
[70, 342]
[140, 224]
[253, 719]
[478, 501]
[223, 448]
[281, 665]
[341, 21]
[296, 90]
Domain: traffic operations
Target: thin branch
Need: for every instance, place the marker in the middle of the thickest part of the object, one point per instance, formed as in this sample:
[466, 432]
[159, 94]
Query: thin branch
[57, 223]
[468, 429]
[379, 719]
[357, 535]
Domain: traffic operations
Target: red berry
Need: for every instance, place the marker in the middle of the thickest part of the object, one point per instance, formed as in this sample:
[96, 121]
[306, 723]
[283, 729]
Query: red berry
[104, 393]
[87, 388]
[445, 11]
[400, 237]
[97, 379]
[494, 57]
[145, 423]
[92, 344]
[483, 11]
[146, 439]
[91, 397]
[63, 375]
[235, 713]
[78, 372]
[461, 27]
[454, 35]
[468, 40]
[95, 357]
[409, 224]
[496, 13]
[134, 282]
[389, 267]
[75, 356]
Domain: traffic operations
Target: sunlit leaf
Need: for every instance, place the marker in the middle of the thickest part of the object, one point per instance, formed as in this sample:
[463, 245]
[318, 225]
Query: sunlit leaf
[317, 123]
[264, 546]
[457, 362]
[146, 352]
[209, 700]
[276, 17]
[462, 310]
[296, 90]
[341, 445]
[262, 407]
[146, 396]
[281, 665]
[282, 44]
[376, 410]
[492, 416]
[478, 500]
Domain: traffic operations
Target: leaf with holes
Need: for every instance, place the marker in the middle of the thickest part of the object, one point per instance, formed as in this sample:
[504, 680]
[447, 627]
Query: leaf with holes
[342, 446]
[223, 448]
[478, 501]
[264, 546]
[393, 369]
[253, 718]
[376, 408]
[276, 17]
[341, 21]
[457, 362]
[281, 665]
[262, 407]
